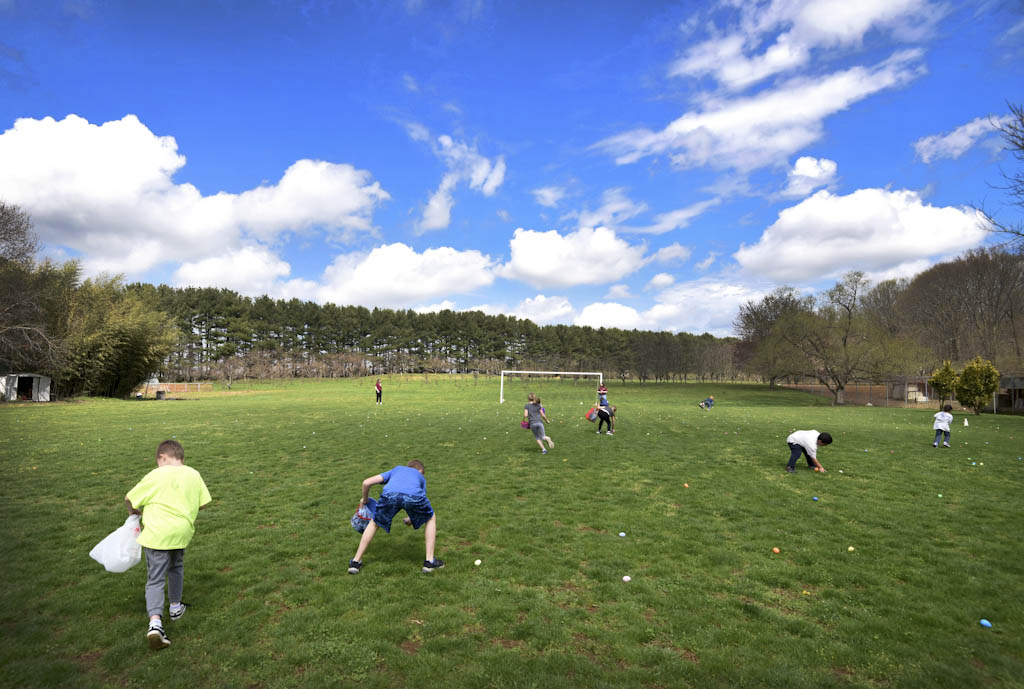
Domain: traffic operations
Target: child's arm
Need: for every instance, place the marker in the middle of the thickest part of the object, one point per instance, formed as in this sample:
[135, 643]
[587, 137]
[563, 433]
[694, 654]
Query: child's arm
[544, 416]
[372, 481]
[131, 510]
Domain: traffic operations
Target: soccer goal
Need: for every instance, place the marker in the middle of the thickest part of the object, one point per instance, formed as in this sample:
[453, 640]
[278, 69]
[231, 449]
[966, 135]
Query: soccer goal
[501, 389]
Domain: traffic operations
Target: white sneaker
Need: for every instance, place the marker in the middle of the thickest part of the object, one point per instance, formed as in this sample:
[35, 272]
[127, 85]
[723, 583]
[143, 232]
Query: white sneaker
[157, 638]
[611, 432]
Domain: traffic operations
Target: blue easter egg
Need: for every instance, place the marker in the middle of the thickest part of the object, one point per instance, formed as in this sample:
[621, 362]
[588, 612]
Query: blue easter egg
[985, 623]
[815, 499]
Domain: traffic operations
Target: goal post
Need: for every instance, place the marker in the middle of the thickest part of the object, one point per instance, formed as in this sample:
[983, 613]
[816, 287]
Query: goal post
[501, 387]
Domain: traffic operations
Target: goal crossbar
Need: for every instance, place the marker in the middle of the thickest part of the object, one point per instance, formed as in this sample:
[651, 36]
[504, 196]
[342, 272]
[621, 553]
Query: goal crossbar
[501, 388]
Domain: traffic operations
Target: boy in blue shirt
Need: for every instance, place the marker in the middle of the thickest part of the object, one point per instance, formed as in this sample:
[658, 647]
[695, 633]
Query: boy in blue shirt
[405, 488]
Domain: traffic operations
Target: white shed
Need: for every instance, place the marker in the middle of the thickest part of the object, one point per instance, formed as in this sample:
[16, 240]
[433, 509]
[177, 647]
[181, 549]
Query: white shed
[24, 386]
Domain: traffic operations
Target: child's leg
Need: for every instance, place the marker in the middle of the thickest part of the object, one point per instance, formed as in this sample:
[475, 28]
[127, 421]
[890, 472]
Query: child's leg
[430, 537]
[364, 542]
[176, 575]
[157, 564]
[551, 443]
[938, 434]
[946, 433]
[794, 454]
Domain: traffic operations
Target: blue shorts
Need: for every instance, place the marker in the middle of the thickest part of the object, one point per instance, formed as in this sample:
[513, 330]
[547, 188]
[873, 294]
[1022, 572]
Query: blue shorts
[416, 506]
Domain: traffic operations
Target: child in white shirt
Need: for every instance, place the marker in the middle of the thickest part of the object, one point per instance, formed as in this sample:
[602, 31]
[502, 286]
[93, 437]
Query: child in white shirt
[941, 425]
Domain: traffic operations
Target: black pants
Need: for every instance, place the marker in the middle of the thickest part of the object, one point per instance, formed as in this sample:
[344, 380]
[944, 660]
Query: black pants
[795, 451]
[379, 393]
[603, 418]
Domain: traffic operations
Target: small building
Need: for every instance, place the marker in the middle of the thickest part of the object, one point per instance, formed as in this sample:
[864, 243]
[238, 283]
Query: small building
[29, 387]
[1011, 393]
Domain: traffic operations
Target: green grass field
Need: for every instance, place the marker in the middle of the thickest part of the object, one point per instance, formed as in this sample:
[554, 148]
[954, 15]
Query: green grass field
[709, 604]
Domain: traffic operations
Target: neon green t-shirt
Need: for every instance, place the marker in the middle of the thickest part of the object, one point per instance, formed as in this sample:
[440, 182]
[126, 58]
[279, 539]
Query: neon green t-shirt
[170, 498]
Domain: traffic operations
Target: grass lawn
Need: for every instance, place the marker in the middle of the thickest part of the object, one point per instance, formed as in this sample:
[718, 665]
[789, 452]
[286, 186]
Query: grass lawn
[709, 604]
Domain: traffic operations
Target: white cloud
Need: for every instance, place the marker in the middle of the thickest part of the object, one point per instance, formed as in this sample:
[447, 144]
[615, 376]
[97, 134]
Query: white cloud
[706, 263]
[700, 306]
[611, 315]
[446, 305]
[696, 307]
[417, 131]
[543, 310]
[615, 208]
[410, 83]
[438, 212]
[584, 257]
[957, 142]
[766, 128]
[464, 164]
[673, 220]
[738, 59]
[107, 192]
[251, 270]
[549, 196]
[673, 253]
[660, 281]
[394, 275]
[809, 174]
[619, 291]
[308, 195]
[873, 230]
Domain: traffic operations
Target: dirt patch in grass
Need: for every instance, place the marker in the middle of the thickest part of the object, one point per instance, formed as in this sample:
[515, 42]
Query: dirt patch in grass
[508, 643]
[683, 653]
[411, 646]
[89, 660]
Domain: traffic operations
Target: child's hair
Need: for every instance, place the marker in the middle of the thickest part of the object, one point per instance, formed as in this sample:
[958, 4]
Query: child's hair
[825, 438]
[531, 398]
[417, 465]
[947, 408]
[171, 448]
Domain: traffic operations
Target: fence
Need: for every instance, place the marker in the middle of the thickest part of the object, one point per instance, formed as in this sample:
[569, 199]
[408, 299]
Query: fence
[161, 390]
[891, 394]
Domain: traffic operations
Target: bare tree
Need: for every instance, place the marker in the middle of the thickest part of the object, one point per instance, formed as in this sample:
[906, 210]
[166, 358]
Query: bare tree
[18, 242]
[1013, 137]
[839, 343]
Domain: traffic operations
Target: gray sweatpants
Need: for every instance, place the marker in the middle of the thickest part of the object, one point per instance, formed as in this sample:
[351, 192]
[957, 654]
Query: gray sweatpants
[160, 565]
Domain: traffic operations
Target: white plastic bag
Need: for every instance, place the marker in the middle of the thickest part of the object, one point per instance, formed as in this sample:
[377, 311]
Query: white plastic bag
[120, 551]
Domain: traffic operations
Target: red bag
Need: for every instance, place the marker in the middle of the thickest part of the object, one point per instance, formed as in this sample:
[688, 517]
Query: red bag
[524, 424]
[591, 414]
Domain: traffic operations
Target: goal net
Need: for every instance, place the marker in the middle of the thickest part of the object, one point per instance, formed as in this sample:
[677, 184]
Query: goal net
[501, 389]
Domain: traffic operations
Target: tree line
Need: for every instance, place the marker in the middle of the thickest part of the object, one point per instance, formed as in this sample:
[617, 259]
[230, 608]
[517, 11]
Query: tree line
[966, 308]
[226, 335]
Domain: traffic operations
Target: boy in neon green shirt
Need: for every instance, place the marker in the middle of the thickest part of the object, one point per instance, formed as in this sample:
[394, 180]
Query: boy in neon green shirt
[169, 499]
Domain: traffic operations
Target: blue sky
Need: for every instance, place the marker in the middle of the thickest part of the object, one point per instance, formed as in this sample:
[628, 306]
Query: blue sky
[637, 164]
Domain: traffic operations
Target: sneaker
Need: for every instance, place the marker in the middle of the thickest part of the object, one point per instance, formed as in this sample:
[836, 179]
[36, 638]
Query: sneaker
[611, 432]
[430, 565]
[945, 444]
[543, 452]
[178, 612]
[935, 444]
[354, 567]
[790, 470]
[157, 638]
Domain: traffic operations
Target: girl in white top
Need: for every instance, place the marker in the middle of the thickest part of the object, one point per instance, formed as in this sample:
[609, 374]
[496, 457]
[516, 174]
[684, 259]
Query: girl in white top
[941, 425]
